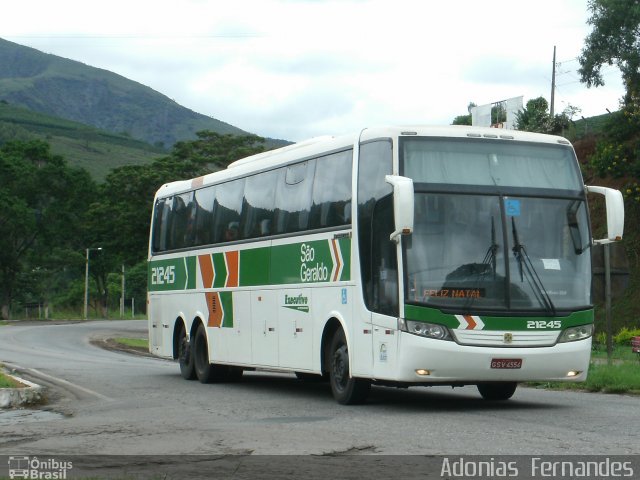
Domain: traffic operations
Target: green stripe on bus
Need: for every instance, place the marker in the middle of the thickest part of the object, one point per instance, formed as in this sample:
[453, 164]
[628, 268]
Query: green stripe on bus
[254, 267]
[317, 261]
[172, 274]
[219, 270]
[345, 248]
[226, 299]
[433, 315]
[190, 263]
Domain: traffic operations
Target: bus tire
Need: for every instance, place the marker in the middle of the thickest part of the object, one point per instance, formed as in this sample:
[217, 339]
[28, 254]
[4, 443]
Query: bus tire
[497, 391]
[185, 356]
[346, 389]
[205, 370]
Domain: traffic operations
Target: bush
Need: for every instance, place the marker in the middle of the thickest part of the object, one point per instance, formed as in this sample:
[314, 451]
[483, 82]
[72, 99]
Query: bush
[612, 160]
[625, 335]
[631, 192]
[622, 338]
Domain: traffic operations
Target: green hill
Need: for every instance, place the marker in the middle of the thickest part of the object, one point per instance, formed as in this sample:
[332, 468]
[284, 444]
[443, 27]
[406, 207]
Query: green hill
[72, 90]
[95, 150]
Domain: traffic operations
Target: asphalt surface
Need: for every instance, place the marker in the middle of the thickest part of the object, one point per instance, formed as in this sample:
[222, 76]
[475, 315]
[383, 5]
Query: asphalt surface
[115, 403]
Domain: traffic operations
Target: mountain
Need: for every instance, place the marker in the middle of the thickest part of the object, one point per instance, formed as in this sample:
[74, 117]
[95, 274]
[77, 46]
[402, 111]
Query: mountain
[95, 150]
[72, 90]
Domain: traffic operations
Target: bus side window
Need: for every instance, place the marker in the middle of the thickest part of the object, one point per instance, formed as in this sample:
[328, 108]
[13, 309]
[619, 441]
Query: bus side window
[227, 208]
[331, 190]
[258, 204]
[204, 201]
[165, 221]
[157, 243]
[293, 198]
[182, 224]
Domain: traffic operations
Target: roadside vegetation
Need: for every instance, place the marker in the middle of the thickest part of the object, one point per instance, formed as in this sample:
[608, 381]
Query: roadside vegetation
[620, 374]
[621, 377]
[141, 343]
[7, 382]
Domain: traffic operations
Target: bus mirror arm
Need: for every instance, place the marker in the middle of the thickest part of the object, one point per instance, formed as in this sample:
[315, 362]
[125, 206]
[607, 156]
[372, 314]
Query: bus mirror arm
[402, 206]
[615, 213]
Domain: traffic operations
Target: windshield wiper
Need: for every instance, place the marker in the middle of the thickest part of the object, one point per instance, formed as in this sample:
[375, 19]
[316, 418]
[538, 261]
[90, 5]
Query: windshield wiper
[489, 260]
[525, 266]
[490, 256]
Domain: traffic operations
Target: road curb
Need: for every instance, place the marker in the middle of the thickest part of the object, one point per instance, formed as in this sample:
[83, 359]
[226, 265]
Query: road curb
[30, 394]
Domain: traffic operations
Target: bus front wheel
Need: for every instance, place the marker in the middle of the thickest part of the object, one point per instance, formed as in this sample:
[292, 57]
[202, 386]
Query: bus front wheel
[497, 391]
[346, 389]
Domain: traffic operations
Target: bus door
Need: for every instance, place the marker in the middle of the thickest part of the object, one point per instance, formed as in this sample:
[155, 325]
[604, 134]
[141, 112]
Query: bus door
[264, 328]
[155, 320]
[295, 329]
[384, 295]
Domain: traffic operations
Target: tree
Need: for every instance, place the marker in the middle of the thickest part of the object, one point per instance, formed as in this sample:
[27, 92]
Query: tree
[615, 39]
[536, 118]
[464, 119]
[498, 114]
[43, 204]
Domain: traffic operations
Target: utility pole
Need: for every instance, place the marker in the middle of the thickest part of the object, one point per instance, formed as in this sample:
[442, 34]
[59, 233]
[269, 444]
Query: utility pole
[607, 300]
[553, 82]
[122, 296]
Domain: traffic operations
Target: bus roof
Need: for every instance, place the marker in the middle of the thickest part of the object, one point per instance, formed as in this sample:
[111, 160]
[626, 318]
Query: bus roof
[327, 144]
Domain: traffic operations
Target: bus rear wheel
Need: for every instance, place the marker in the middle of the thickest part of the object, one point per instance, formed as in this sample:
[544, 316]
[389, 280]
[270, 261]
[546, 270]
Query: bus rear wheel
[346, 389]
[205, 370]
[497, 391]
[185, 356]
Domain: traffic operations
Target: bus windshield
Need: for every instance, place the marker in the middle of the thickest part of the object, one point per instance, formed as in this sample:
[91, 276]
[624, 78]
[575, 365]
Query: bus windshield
[492, 163]
[491, 248]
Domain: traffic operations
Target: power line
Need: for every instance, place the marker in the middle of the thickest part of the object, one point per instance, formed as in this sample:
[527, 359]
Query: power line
[130, 36]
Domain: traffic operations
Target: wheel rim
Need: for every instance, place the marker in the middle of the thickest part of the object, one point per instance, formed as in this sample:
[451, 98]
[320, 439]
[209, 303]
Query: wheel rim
[341, 367]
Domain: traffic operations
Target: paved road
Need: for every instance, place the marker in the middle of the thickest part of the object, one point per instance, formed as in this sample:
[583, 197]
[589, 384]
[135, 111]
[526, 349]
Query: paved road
[105, 402]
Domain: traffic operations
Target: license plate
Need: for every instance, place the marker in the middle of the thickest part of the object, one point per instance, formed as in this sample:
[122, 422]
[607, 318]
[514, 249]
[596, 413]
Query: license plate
[506, 363]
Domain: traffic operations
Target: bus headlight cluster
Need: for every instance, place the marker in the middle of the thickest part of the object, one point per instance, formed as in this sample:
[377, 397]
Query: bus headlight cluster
[576, 333]
[429, 330]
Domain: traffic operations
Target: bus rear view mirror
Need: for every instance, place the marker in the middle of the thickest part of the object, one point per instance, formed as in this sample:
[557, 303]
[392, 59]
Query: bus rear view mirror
[615, 213]
[402, 205]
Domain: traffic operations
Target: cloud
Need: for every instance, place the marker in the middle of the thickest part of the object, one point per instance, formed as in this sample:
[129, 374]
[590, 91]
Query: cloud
[300, 68]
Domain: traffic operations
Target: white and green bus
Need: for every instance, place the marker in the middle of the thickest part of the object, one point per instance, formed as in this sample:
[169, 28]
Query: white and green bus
[395, 256]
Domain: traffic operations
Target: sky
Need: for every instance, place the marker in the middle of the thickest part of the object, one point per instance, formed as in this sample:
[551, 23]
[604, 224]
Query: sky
[296, 69]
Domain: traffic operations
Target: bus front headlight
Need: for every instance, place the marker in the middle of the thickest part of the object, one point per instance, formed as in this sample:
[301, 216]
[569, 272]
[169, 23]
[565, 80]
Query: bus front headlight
[424, 329]
[576, 333]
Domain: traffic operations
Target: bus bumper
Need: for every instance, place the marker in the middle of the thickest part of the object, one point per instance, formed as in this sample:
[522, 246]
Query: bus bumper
[424, 360]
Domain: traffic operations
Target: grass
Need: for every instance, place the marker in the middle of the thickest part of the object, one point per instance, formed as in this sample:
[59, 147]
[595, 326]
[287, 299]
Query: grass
[615, 378]
[619, 353]
[622, 375]
[133, 342]
[7, 382]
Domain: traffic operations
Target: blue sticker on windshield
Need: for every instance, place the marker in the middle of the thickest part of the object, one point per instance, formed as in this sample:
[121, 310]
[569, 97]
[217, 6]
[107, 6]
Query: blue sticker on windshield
[512, 207]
